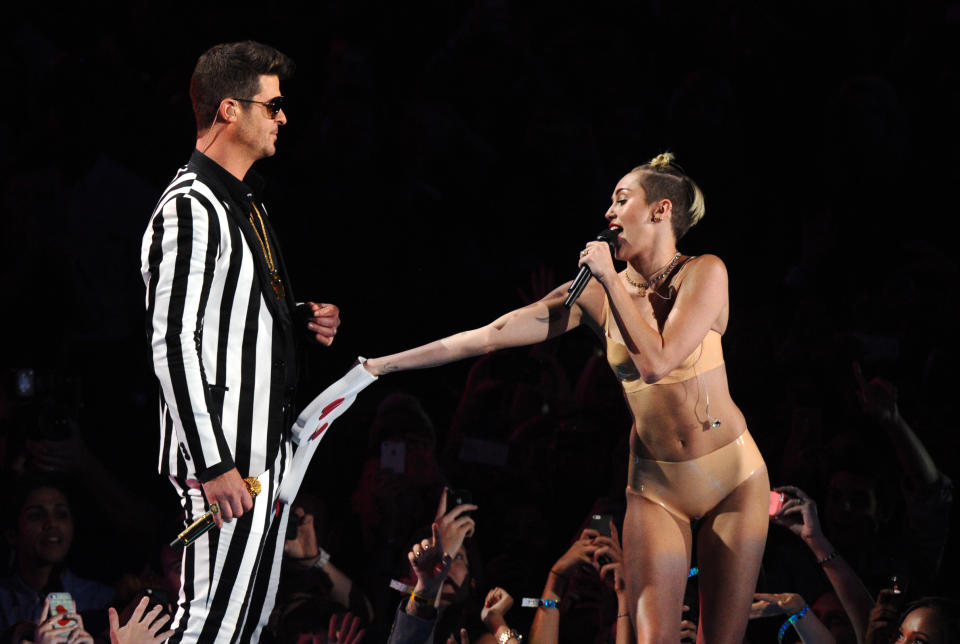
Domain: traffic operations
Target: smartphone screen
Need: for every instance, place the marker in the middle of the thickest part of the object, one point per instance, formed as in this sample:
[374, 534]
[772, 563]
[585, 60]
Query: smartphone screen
[776, 501]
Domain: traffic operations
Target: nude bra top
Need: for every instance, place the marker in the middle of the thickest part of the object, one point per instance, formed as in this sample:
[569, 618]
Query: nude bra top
[706, 356]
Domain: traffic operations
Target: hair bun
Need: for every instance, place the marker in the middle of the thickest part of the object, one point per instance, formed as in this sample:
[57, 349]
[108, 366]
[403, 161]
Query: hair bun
[662, 161]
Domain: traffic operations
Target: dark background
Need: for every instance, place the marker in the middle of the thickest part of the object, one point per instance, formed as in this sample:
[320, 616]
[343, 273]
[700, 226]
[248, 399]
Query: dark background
[441, 154]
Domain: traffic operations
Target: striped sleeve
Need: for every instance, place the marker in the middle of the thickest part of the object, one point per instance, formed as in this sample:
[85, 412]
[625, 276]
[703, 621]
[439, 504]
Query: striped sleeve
[181, 264]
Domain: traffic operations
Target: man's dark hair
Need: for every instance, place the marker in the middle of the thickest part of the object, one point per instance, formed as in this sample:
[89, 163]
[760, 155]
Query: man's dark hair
[232, 70]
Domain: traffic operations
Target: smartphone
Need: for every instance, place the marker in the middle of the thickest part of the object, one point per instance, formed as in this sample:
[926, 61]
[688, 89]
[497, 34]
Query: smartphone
[776, 501]
[393, 456]
[61, 604]
[157, 596]
[601, 523]
[457, 497]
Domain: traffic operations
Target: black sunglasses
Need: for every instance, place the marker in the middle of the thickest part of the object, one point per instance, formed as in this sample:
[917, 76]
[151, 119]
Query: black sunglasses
[274, 104]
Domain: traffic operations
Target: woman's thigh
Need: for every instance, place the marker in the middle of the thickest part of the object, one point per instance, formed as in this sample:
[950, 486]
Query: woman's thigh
[656, 552]
[730, 547]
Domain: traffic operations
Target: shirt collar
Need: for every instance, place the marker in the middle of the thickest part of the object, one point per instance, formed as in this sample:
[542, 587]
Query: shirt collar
[252, 184]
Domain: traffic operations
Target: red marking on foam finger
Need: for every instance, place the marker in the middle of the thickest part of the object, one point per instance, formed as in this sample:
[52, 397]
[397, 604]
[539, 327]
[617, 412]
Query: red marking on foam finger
[329, 408]
[320, 430]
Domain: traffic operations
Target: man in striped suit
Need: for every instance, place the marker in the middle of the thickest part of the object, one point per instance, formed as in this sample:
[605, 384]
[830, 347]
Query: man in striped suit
[223, 329]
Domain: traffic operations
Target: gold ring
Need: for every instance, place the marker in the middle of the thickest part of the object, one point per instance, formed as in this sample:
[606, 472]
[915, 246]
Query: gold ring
[584, 252]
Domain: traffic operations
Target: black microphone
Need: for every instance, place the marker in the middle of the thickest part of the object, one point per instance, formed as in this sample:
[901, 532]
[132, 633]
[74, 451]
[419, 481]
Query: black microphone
[608, 235]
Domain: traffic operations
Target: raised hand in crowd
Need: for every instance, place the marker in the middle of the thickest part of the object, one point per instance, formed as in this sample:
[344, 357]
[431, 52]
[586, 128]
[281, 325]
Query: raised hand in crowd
[495, 607]
[143, 627]
[581, 553]
[54, 629]
[347, 632]
[306, 552]
[808, 626]
[878, 401]
[799, 515]
[884, 618]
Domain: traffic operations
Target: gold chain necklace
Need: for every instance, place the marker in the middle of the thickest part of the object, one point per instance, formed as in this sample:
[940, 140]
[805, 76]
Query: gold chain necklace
[643, 286]
[275, 280]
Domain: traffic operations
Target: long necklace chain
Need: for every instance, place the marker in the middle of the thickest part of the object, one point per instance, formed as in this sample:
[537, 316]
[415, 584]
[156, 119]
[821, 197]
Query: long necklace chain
[275, 280]
[643, 286]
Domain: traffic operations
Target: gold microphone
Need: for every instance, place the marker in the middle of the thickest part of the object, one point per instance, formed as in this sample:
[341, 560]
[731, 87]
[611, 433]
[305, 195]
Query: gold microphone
[196, 529]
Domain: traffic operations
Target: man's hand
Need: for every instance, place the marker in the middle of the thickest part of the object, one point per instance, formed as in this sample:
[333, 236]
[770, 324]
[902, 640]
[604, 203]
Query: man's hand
[230, 494]
[322, 320]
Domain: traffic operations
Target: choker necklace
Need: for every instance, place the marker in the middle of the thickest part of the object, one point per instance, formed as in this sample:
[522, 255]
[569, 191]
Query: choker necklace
[643, 286]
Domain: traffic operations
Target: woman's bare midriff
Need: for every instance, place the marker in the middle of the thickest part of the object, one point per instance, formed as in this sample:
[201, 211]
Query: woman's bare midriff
[671, 424]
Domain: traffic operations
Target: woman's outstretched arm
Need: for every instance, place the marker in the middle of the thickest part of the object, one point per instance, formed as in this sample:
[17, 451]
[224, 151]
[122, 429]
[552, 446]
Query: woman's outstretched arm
[542, 320]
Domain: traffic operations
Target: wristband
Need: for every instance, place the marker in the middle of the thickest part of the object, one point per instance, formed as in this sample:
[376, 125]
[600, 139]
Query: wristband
[322, 560]
[422, 600]
[833, 555]
[793, 619]
[538, 602]
[693, 572]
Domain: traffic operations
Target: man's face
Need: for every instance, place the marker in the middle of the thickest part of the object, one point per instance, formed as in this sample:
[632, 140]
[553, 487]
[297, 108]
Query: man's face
[44, 528]
[257, 129]
[456, 587]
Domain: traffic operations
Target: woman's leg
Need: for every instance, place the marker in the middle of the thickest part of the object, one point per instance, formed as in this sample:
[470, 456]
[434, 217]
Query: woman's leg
[656, 553]
[730, 548]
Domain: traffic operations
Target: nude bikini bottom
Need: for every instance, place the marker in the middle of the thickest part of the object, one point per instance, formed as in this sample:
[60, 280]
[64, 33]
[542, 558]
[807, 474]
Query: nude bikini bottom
[690, 489]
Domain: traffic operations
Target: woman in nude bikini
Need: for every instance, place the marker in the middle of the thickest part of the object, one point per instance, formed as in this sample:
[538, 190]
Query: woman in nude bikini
[691, 455]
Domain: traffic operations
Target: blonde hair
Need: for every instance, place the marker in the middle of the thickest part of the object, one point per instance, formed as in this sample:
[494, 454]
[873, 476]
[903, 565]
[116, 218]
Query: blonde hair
[661, 178]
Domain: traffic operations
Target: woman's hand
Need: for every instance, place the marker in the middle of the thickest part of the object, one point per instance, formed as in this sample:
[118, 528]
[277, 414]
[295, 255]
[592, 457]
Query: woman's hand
[304, 545]
[50, 630]
[430, 563]
[597, 257]
[688, 629]
[579, 554]
[495, 606]
[455, 525]
[766, 604]
[143, 627]
[798, 514]
[883, 620]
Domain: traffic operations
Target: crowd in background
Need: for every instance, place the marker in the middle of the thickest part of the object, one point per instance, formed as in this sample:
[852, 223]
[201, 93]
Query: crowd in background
[472, 142]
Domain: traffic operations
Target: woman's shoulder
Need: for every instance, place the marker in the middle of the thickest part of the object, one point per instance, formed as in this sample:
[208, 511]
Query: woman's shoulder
[703, 268]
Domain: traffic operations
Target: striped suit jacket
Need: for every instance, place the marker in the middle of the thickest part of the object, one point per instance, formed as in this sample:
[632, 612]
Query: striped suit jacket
[223, 343]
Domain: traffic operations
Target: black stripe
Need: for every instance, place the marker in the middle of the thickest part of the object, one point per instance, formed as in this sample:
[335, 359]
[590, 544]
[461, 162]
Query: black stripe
[248, 371]
[221, 598]
[257, 591]
[154, 257]
[229, 296]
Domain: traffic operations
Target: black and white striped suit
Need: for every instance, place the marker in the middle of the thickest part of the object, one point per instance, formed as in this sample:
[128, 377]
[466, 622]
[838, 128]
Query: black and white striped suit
[224, 353]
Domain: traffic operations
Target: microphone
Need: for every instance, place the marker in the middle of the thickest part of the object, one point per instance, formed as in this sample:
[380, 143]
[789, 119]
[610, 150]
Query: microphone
[608, 235]
[196, 529]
